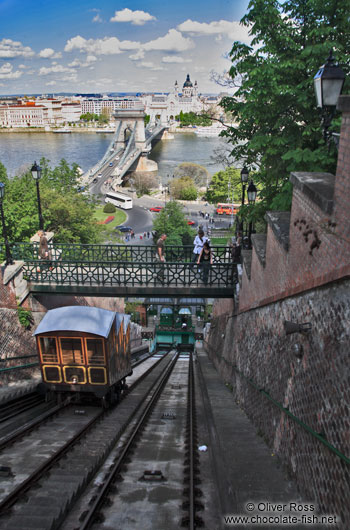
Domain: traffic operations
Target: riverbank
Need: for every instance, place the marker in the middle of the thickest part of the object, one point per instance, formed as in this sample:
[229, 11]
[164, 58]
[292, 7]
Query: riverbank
[54, 131]
[79, 130]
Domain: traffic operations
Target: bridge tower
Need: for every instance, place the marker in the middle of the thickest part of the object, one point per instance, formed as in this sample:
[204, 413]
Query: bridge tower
[129, 118]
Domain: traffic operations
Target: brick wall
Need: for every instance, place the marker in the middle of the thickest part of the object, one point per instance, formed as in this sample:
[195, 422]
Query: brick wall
[316, 388]
[319, 234]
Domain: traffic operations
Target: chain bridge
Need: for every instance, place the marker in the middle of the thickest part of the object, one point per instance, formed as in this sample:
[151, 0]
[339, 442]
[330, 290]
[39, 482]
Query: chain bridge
[130, 145]
[123, 270]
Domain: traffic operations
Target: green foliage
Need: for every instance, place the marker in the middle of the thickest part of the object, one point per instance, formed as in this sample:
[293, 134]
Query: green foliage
[109, 208]
[171, 221]
[146, 119]
[65, 211]
[130, 309]
[183, 188]
[278, 125]
[89, 116]
[199, 174]
[25, 316]
[225, 184]
[187, 119]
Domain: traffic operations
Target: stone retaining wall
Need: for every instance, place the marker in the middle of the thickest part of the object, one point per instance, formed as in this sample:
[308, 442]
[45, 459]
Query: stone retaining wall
[308, 373]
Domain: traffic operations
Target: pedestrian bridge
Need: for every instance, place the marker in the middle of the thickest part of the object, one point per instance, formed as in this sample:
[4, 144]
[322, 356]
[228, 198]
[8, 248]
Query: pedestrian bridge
[123, 270]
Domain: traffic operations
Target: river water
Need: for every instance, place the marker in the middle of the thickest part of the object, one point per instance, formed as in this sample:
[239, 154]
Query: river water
[18, 150]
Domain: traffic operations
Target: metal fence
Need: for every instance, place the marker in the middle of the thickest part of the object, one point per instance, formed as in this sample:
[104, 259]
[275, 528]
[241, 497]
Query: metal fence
[75, 252]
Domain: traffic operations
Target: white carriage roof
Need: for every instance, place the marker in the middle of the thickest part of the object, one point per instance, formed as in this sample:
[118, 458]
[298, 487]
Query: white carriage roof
[80, 318]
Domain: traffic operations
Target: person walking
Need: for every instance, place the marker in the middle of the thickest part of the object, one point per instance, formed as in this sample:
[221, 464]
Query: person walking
[205, 259]
[198, 243]
[160, 256]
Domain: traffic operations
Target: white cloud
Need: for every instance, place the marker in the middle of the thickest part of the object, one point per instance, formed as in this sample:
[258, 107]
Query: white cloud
[175, 59]
[89, 60]
[97, 18]
[150, 65]
[23, 66]
[10, 48]
[140, 54]
[233, 30]
[71, 77]
[173, 41]
[55, 69]
[49, 53]
[6, 72]
[137, 18]
[51, 83]
[105, 46]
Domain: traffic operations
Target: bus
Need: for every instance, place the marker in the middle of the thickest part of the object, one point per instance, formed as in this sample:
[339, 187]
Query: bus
[223, 208]
[119, 199]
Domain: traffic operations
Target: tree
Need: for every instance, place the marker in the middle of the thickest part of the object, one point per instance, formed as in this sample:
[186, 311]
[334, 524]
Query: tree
[191, 118]
[183, 188]
[274, 106]
[65, 211]
[89, 116]
[222, 184]
[199, 174]
[143, 182]
[171, 221]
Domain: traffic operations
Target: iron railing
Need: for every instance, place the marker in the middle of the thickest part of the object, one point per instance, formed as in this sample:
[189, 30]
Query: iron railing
[125, 273]
[76, 252]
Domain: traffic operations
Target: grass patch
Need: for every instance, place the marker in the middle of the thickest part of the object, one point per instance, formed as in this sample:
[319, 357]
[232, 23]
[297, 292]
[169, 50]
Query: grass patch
[119, 218]
[219, 241]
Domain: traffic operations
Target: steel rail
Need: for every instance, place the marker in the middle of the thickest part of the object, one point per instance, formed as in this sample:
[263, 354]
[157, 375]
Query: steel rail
[15, 407]
[98, 502]
[11, 499]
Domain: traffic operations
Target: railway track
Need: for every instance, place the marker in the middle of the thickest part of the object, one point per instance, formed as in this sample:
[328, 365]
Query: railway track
[154, 465]
[16, 406]
[65, 453]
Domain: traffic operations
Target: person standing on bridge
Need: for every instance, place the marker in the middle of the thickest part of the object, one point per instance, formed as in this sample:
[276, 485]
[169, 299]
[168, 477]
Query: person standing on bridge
[160, 255]
[43, 251]
[198, 243]
[205, 259]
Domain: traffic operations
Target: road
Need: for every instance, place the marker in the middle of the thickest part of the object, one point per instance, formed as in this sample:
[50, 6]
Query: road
[140, 219]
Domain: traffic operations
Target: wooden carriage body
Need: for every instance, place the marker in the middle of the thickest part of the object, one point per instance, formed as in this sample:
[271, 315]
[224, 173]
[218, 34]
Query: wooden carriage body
[83, 349]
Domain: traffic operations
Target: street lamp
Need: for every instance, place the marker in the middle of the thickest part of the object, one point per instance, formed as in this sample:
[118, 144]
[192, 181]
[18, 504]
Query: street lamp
[252, 193]
[36, 173]
[328, 84]
[9, 260]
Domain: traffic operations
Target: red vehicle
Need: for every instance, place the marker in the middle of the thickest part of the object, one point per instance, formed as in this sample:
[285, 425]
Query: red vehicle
[156, 209]
[222, 209]
[189, 222]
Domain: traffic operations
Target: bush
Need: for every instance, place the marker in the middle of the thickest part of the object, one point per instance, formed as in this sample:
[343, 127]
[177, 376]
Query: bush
[109, 208]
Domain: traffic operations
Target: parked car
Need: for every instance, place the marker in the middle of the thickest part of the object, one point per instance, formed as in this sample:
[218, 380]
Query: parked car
[123, 228]
[156, 209]
[94, 180]
[111, 164]
[189, 222]
[99, 175]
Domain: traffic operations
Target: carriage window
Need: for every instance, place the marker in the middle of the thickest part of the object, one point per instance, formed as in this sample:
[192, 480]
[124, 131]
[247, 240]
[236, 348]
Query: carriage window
[72, 351]
[94, 350]
[48, 349]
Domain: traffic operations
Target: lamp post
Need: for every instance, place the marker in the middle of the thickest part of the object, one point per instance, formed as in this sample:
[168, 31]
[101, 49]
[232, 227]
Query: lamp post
[328, 84]
[252, 193]
[36, 173]
[9, 260]
[244, 180]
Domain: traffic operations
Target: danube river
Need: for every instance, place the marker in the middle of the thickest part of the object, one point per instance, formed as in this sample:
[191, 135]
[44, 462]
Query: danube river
[20, 150]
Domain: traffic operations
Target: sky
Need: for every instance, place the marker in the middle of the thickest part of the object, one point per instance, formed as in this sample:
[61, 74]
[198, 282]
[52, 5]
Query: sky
[103, 46]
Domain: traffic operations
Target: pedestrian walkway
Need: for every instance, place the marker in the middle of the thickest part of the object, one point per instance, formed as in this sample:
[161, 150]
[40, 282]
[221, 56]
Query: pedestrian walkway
[246, 471]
